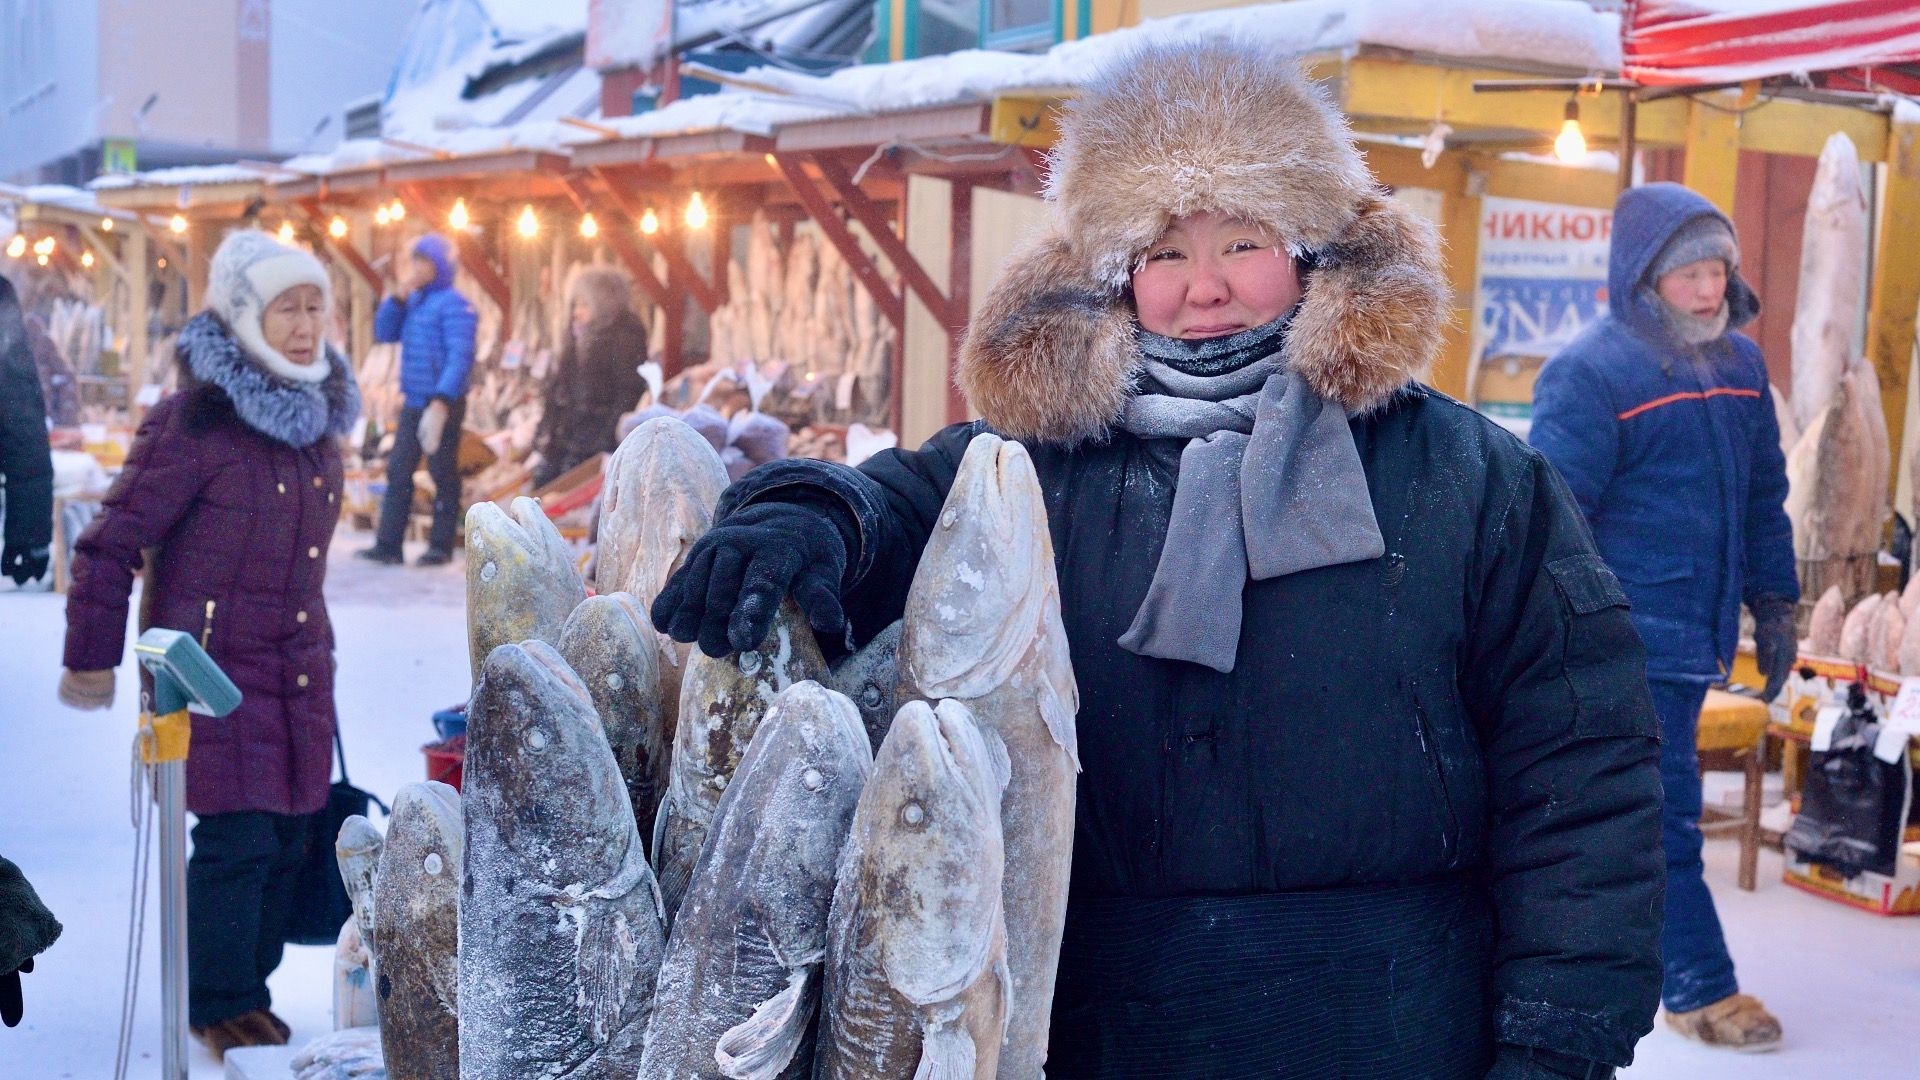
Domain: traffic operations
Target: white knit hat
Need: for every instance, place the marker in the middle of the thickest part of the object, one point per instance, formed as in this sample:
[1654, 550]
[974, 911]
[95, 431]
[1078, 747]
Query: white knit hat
[249, 271]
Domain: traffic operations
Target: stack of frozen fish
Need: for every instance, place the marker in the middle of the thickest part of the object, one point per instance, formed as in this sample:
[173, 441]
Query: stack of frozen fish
[1882, 631]
[670, 865]
[1833, 429]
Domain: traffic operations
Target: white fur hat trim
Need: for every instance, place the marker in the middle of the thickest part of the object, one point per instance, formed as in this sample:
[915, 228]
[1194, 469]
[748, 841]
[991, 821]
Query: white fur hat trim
[249, 271]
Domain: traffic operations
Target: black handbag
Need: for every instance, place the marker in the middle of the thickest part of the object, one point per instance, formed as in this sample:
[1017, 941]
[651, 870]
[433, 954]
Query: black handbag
[320, 903]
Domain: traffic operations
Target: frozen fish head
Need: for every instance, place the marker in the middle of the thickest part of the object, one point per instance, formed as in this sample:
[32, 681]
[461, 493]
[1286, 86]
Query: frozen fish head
[982, 585]
[661, 487]
[521, 579]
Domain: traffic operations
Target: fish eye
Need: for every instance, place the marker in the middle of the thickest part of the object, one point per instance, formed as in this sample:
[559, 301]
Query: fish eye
[614, 681]
[951, 518]
[913, 814]
[433, 863]
[870, 696]
[813, 779]
[536, 739]
[750, 662]
[489, 571]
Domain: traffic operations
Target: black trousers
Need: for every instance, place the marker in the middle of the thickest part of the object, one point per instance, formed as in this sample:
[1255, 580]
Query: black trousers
[443, 466]
[240, 882]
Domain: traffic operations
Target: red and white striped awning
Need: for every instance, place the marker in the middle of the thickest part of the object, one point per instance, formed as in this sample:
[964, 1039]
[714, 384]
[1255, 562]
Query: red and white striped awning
[1841, 44]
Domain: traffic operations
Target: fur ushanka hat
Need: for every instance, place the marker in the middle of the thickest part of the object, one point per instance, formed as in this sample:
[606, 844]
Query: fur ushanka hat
[250, 270]
[1184, 128]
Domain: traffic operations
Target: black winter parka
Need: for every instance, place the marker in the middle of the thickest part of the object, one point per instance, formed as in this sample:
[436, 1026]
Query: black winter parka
[1472, 702]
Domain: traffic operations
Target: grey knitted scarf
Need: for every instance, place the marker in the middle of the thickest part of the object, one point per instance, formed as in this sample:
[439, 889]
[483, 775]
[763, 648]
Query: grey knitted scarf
[1270, 484]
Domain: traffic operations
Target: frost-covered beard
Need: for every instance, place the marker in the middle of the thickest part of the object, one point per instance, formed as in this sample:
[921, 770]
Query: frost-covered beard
[1688, 328]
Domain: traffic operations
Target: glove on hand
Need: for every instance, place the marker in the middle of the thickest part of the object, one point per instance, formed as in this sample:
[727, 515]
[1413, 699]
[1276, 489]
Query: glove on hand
[730, 588]
[87, 689]
[22, 563]
[12, 1006]
[1534, 1063]
[1775, 642]
[433, 426]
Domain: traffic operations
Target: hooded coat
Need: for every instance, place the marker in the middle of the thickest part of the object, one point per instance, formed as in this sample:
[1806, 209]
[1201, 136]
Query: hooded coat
[598, 376]
[1423, 809]
[435, 328]
[233, 485]
[1672, 451]
[26, 462]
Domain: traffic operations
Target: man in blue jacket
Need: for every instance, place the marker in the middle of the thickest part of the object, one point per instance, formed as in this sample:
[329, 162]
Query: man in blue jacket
[1660, 418]
[434, 325]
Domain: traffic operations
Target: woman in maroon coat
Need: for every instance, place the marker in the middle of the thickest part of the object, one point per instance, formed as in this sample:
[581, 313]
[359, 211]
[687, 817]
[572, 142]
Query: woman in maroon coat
[229, 498]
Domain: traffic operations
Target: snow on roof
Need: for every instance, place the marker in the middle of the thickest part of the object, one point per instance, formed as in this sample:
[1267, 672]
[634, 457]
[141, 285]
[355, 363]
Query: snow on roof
[57, 195]
[519, 20]
[753, 114]
[1560, 33]
[185, 176]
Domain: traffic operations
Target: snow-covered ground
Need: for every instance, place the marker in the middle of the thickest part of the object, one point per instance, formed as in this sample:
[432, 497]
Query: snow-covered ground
[1845, 984]
[64, 813]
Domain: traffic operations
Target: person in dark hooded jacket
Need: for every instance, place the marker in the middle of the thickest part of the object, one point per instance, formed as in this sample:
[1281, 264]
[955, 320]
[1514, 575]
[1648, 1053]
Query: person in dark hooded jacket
[229, 499]
[598, 376]
[435, 327]
[1660, 418]
[26, 460]
[1370, 780]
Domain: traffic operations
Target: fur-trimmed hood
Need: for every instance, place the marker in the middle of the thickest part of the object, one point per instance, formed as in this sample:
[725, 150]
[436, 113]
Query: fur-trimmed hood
[606, 290]
[222, 379]
[1051, 355]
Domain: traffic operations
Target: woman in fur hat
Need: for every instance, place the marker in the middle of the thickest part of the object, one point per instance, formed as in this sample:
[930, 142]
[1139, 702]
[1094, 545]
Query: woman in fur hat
[1370, 782]
[229, 499]
[598, 376]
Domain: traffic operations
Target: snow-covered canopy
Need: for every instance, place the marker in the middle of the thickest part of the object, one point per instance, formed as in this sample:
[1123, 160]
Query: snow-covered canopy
[522, 90]
[1561, 33]
[1707, 42]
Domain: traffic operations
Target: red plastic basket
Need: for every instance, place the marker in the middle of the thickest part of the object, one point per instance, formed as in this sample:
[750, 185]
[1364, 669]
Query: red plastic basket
[446, 760]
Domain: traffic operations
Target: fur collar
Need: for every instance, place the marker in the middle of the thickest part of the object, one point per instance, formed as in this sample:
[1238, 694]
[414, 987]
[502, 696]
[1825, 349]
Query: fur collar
[221, 377]
[1052, 356]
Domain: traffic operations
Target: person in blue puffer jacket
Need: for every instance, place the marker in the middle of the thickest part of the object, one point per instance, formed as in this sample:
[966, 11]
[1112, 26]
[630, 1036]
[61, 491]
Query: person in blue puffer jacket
[1660, 419]
[434, 325]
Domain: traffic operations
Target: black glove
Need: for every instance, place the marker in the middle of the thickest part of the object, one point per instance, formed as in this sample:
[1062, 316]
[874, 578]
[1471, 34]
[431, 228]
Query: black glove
[11, 1005]
[730, 588]
[1776, 644]
[1535, 1063]
[22, 563]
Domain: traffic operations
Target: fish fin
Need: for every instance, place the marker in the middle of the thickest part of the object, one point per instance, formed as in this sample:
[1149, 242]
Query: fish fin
[946, 1052]
[604, 959]
[1060, 722]
[759, 1047]
[997, 757]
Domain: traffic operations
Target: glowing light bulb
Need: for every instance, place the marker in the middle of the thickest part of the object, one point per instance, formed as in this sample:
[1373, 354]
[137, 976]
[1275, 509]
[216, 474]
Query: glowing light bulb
[106, 224]
[398, 211]
[86, 259]
[458, 218]
[1570, 145]
[649, 222]
[337, 228]
[696, 213]
[44, 246]
[163, 262]
[16, 247]
[589, 228]
[382, 216]
[527, 225]
[178, 224]
[41, 259]
[286, 232]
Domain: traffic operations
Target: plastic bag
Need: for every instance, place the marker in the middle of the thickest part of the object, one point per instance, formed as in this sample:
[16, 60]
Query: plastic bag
[1854, 807]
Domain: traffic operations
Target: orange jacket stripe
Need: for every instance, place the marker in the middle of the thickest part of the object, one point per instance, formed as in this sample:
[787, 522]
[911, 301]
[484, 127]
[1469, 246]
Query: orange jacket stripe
[1690, 395]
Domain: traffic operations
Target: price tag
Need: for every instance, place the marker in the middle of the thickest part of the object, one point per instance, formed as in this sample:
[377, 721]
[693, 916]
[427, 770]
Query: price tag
[1891, 746]
[1824, 722]
[1904, 714]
